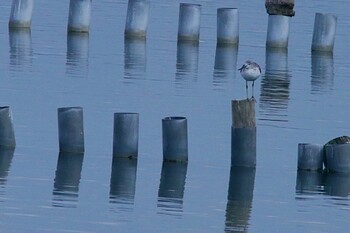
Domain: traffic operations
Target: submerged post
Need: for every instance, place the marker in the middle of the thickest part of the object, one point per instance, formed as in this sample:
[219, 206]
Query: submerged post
[137, 19]
[79, 16]
[243, 133]
[7, 134]
[126, 135]
[71, 129]
[21, 14]
[189, 22]
[310, 157]
[324, 32]
[279, 12]
[227, 26]
[175, 145]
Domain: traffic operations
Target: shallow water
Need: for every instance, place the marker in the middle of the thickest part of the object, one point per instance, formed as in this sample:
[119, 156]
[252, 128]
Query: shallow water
[301, 97]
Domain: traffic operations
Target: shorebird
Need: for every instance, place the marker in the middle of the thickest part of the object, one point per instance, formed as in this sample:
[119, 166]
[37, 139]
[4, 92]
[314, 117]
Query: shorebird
[250, 71]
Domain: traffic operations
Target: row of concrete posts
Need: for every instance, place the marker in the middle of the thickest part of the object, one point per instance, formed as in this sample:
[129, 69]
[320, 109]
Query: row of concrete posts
[334, 155]
[125, 134]
[280, 12]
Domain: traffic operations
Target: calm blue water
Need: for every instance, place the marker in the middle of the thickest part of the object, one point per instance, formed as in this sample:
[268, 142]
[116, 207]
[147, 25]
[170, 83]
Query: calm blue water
[301, 97]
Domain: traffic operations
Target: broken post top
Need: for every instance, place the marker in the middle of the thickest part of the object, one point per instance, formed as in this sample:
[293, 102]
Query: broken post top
[243, 113]
[280, 7]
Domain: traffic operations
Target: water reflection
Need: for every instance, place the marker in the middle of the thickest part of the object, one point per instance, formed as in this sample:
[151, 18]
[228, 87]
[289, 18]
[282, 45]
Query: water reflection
[239, 200]
[135, 55]
[309, 184]
[225, 64]
[322, 72]
[337, 184]
[6, 156]
[21, 53]
[275, 84]
[123, 183]
[67, 179]
[77, 54]
[186, 60]
[171, 188]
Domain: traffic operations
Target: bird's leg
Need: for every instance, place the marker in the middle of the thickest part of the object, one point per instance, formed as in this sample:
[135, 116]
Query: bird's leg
[246, 88]
[253, 90]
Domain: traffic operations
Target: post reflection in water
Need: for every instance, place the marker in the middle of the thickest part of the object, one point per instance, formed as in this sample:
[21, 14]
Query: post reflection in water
[310, 183]
[337, 184]
[135, 58]
[171, 188]
[67, 179]
[6, 156]
[123, 183]
[239, 199]
[186, 60]
[274, 96]
[322, 72]
[21, 53]
[77, 63]
[225, 63]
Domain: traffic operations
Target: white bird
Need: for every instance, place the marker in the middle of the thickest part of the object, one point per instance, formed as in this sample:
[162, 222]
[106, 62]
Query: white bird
[250, 71]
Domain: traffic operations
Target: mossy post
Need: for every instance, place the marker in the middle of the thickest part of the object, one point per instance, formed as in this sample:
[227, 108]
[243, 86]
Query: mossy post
[79, 16]
[175, 145]
[126, 135]
[189, 22]
[7, 133]
[21, 14]
[324, 32]
[137, 19]
[71, 129]
[243, 133]
[227, 26]
[279, 12]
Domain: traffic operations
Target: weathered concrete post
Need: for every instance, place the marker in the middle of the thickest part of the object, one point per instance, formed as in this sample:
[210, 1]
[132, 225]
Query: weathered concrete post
[126, 135]
[79, 16]
[279, 12]
[71, 129]
[21, 14]
[310, 157]
[189, 22]
[7, 134]
[243, 133]
[137, 19]
[175, 145]
[324, 32]
[227, 26]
